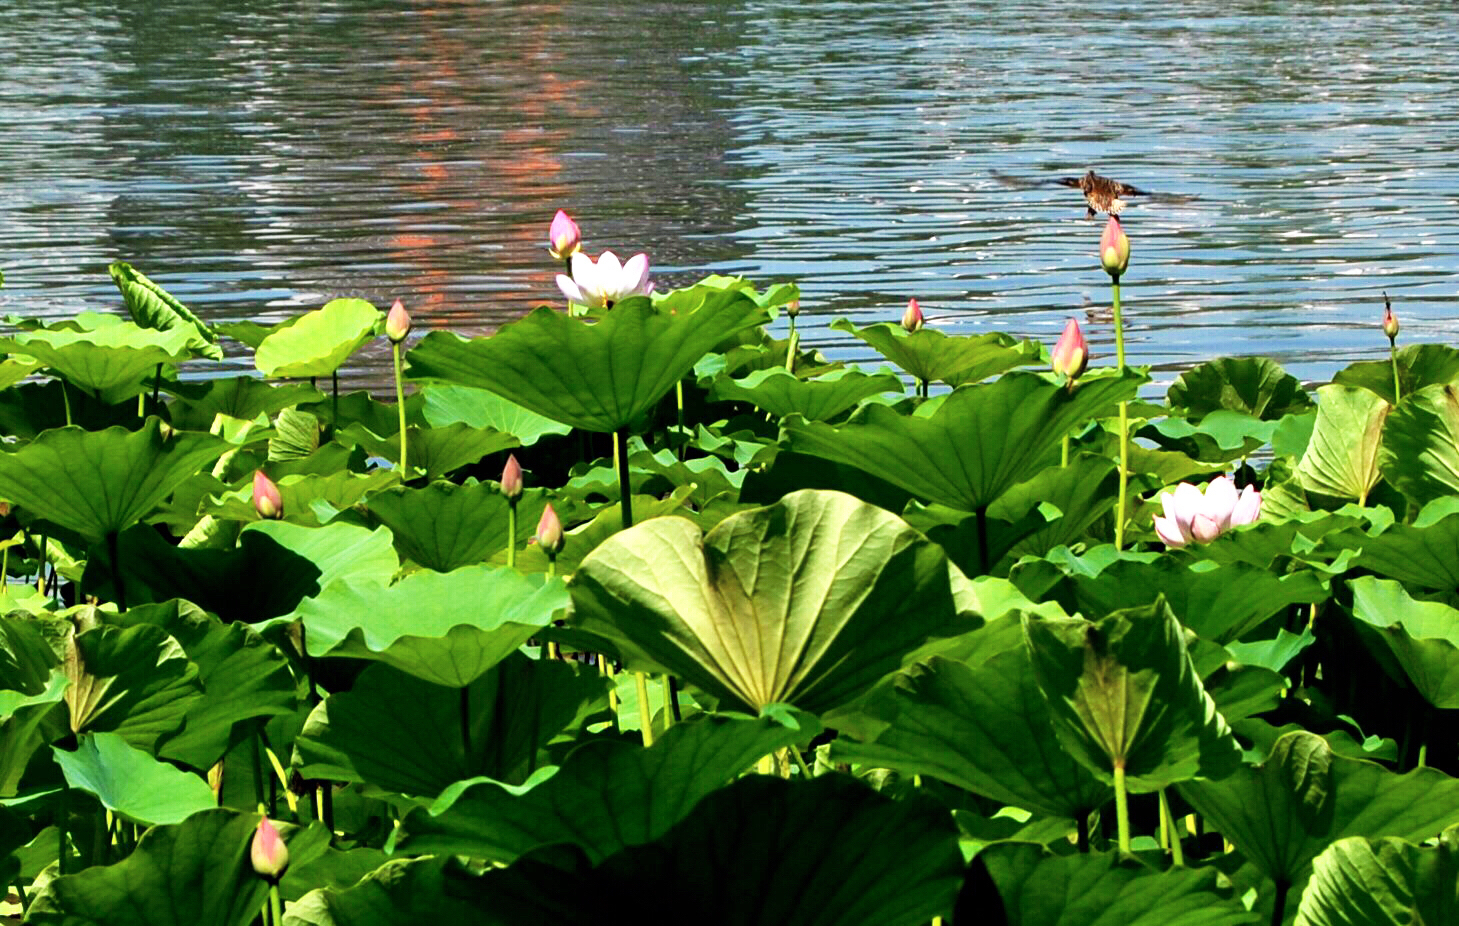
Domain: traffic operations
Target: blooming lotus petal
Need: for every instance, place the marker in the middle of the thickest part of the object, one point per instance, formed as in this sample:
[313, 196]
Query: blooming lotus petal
[1166, 530]
[1204, 528]
[1248, 507]
[610, 269]
[635, 275]
[1220, 500]
[571, 290]
[1187, 502]
[585, 274]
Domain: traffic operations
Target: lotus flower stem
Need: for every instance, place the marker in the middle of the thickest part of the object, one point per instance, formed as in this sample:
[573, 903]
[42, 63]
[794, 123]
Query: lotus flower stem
[1124, 420]
[1169, 829]
[607, 669]
[400, 405]
[620, 462]
[1122, 807]
[334, 397]
[669, 704]
[645, 715]
[1064, 452]
[1393, 359]
[800, 763]
[275, 905]
[678, 444]
[258, 776]
[66, 402]
[512, 533]
[791, 346]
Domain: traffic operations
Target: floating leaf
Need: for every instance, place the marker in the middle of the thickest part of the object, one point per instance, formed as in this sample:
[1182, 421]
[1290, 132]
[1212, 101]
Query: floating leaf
[130, 782]
[320, 341]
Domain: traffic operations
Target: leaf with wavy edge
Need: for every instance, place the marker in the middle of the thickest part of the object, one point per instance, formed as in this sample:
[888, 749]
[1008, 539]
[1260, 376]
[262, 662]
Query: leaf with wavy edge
[1419, 365]
[113, 362]
[782, 393]
[1255, 386]
[135, 681]
[1383, 882]
[931, 356]
[1342, 457]
[1423, 637]
[130, 782]
[1420, 452]
[151, 306]
[320, 341]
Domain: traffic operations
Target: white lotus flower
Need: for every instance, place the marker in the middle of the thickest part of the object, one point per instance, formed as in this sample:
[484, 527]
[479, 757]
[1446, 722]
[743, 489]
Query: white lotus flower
[603, 283]
[1192, 515]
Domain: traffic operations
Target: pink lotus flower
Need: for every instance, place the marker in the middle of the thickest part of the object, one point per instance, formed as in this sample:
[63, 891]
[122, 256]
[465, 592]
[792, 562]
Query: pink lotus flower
[1114, 248]
[549, 532]
[397, 323]
[603, 283]
[1071, 354]
[512, 478]
[912, 319]
[266, 498]
[1192, 515]
[268, 853]
[564, 237]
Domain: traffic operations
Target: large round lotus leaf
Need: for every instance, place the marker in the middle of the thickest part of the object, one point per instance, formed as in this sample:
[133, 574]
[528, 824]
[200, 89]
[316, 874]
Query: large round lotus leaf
[1071, 498]
[1283, 813]
[187, 874]
[1254, 385]
[433, 451]
[598, 376]
[1423, 637]
[1034, 888]
[242, 397]
[27, 724]
[98, 483]
[931, 356]
[1122, 691]
[112, 362]
[131, 783]
[1342, 456]
[444, 404]
[1419, 365]
[1383, 882]
[806, 602]
[1420, 453]
[406, 735]
[320, 342]
[26, 658]
[982, 728]
[1424, 553]
[969, 447]
[607, 795]
[135, 681]
[443, 627]
[781, 393]
[151, 306]
[443, 525]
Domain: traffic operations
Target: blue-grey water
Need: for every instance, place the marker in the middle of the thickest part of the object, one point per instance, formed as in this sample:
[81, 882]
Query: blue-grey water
[263, 156]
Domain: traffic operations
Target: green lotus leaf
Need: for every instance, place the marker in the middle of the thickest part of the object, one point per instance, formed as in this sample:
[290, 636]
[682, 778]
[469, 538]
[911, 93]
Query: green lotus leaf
[983, 728]
[1423, 637]
[977, 546]
[320, 342]
[28, 723]
[1220, 436]
[1424, 553]
[1035, 888]
[1342, 457]
[131, 783]
[331, 868]
[791, 472]
[933, 357]
[443, 525]
[607, 795]
[1122, 691]
[98, 483]
[1274, 654]
[275, 566]
[606, 523]
[595, 376]
[135, 681]
[434, 451]
[781, 393]
[977, 443]
[1383, 882]
[243, 677]
[652, 473]
[151, 306]
[805, 602]
[406, 735]
[444, 405]
[1419, 365]
[1076, 495]
[402, 892]
[690, 297]
[1283, 813]
[26, 658]
[1298, 537]
[186, 874]
[297, 436]
[1254, 386]
[1420, 452]
[449, 628]
[112, 363]
[242, 397]
[309, 500]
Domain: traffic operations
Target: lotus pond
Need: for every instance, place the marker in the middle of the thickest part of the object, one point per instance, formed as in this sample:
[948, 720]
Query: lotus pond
[641, 609]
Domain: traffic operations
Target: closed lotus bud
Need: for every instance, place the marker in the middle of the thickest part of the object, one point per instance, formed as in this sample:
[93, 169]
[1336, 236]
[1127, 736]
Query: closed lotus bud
[512, 478]
[564, 237]
[1114, 248]
[792, 308]
[268, 853]
[912, 318]
[266, 498]
[397, 323]
[1390, 321]
[549, 532]
[1071, 354]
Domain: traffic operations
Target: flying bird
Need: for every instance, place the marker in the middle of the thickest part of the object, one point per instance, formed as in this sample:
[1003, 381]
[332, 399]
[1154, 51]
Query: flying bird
[1101, 194]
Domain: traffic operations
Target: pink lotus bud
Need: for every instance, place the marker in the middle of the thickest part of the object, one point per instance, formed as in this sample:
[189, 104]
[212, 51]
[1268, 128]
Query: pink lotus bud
[564, 237]
[1390, 321]
[269, 854]
[549, 532]
[1114, 248]
[397, 323]
[792, 308]
[912, 318]
[512, 478]
[266, 498]
[1071, 354]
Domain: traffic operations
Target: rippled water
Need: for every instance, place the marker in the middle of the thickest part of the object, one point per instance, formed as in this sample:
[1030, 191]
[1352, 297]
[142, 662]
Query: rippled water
[260, 157]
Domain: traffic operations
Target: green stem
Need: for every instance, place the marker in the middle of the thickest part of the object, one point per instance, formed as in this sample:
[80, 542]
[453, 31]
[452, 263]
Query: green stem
[63, 812]
[625, 494]
[258, 772]
[1122, 808]
[1393, 358]
[1064, 455]
[511, 533]
[792, 346]
[1167, 822]
[276, 905]
[1124, 420]
[645, 715]
[66, 401]
[678, 443]
[400, 405]
[805, 770]
[334, 398]
[668, 700]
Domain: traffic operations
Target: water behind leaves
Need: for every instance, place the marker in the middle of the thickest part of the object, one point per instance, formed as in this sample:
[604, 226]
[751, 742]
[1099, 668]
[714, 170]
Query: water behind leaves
[258, 158]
